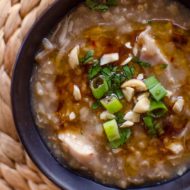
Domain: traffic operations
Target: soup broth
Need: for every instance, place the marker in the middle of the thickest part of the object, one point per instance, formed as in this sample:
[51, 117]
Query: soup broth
[110, 91]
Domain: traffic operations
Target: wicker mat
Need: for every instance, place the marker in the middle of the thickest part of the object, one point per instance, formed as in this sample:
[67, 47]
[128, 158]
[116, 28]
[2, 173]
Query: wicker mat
[17, 172]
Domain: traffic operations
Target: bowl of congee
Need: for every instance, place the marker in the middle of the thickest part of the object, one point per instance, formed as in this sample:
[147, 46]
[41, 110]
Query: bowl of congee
[101, 93]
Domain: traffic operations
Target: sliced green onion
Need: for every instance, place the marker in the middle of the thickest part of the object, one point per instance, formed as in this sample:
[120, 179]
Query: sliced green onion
[94, 70]
[111, 103]
[120, 117]
[158, 92]
[153, 127]
[88, 57]
[149, 123]
[111, 129]
[157, 109]
[96, 105]
[119, 93]
[124, 136]
[151, 82]
[128, 71]
[99, 86]
[155, 88]
[107, 71]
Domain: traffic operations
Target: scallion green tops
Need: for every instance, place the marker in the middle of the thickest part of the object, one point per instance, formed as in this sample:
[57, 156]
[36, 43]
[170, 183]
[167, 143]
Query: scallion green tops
[99, 86]
[111, 103]
[155, 88]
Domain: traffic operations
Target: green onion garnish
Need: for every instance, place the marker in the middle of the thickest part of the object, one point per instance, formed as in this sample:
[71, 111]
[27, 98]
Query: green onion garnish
[158, 92]
[128, 71]
[153, 127]
[94, 70]
[156, 89]
[111, 103]
[149, 123]
[99, 86]
[157, 109]
[106, 70]
[124, 136]
[151, 82]
[111, 129]
[120, 117]
[96, 105]
[118, 92]
[88, 57]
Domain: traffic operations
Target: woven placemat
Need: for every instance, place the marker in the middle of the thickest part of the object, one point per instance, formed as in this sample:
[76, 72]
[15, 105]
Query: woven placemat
[17, 172]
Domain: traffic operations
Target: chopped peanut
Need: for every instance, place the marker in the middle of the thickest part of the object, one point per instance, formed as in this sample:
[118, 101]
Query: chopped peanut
[73, 57]
[127, 124]
[128, 93]
[138, 85]
[76, 93]
[142, 106]
[178, 106]
[132, 116]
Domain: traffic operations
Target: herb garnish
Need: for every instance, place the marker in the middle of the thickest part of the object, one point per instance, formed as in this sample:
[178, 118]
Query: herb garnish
[94, 70]
[149, 123]
[114, 80]
[113, 76]
[141, 63]
[157, 91]
[120, 117]
[96, 105]
[107, 70]
[98, 6]
[124, 136]
[154, 127]
[88, 57]
[128, 71]
[119, 93]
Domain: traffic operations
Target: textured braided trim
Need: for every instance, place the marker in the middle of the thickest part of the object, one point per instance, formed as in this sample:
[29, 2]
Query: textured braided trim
[17, 172]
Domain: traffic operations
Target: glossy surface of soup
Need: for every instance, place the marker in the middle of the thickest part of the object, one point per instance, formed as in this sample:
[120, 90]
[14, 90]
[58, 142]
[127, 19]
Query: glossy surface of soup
[111, 93]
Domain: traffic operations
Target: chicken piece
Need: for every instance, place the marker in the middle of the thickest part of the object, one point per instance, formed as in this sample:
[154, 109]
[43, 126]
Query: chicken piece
[78, 147]
[83, 151]
[149, 51]
[175, 147]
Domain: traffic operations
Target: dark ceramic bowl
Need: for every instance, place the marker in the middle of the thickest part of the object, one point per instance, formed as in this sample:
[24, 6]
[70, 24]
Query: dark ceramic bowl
[21, 104]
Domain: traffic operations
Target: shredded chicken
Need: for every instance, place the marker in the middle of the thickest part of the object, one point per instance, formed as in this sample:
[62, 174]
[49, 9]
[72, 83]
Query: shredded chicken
[78, 146]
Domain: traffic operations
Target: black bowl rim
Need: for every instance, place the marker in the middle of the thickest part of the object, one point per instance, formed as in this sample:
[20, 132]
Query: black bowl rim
[71, 180]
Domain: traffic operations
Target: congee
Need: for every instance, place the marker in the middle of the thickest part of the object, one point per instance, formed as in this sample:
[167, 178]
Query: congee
[111, 87]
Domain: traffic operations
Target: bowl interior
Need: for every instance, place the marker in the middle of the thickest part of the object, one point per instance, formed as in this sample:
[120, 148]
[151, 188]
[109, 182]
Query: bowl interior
[21, 103]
